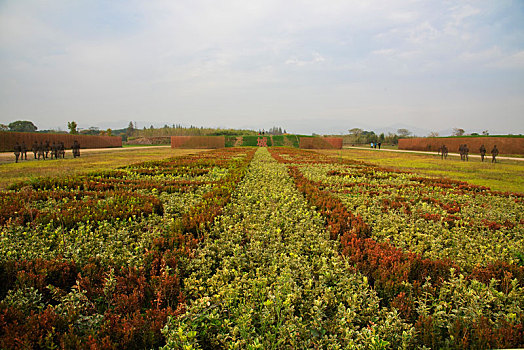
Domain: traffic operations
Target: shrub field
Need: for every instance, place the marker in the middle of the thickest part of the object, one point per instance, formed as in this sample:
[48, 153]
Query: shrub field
[280, 248]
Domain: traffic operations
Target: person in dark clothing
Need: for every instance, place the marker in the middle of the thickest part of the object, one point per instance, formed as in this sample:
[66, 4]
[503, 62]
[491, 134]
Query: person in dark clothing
[34, 148]
[461, 151]
[76, 149]
[466, 152]
[46, 148]
[61, 150]
[18, 150]
[379, 144]
[53, 150]
[482, 152]
[41, 151]
[24, 151]
[494, 154]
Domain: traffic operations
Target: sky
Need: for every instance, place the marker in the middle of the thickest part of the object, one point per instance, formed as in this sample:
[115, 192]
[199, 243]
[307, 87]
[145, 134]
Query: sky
[306, 66]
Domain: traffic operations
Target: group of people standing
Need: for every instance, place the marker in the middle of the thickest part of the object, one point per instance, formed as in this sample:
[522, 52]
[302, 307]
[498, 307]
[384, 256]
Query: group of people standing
[494, 153]
[44, 150]
[464, 152]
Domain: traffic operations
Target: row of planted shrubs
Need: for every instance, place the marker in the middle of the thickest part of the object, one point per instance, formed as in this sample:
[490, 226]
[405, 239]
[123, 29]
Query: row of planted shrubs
[482, 309]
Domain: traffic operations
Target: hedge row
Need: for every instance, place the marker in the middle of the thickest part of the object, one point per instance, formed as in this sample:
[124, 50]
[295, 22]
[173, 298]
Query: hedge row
[253, 141]
[505, 145]
[8, 140]
[210, 142]
[321, 142]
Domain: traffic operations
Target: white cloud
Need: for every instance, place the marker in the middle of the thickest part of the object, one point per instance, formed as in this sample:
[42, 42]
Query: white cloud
[204, 59]
[384, 52]
[513, 62]
[316, 58]
[423, 33]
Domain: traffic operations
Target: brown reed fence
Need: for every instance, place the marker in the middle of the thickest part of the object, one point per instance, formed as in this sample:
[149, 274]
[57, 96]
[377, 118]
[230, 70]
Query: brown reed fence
[505, 145]
[198, 142]
[8, 139]
[320, 142]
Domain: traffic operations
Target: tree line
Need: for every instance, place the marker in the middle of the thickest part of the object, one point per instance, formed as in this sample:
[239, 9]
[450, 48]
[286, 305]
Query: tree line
[360, 136]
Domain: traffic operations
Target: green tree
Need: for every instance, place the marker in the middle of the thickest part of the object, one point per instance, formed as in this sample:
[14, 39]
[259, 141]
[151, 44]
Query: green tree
[355, 134]
[392, 138]
[72, 127]
[458, 132]
[369, 136]
[93, 130]
[130, 129]
[3, 127]
[22, 126]
[403, 132]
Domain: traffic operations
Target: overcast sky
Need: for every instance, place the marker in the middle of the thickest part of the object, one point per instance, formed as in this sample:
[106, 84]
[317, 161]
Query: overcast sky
[308, 66]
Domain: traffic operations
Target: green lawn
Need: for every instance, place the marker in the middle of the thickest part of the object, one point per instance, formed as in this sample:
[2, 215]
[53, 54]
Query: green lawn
[503, 176]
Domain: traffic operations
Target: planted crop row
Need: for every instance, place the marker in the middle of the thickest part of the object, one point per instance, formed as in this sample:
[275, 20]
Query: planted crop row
[269, 277]
[106, 280]
[481, 309]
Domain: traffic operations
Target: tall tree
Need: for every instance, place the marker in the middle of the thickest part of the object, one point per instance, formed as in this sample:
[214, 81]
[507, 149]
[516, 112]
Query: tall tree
[403, 132]
[72, 127]
[130, 129]
[22, 126]
[356, 132]
[458, 132]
